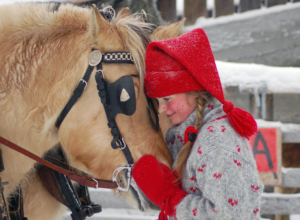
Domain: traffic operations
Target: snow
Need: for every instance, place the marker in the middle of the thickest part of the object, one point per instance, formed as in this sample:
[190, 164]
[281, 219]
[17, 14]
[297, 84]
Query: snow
[286, 128]
[279, 195]
[294, 217]
[250, 76]
[123, 214]
[204, 22]
[210, 4]
[286, 170]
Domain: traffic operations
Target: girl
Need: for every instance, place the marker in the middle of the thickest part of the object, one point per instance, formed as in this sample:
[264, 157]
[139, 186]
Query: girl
[208, 140]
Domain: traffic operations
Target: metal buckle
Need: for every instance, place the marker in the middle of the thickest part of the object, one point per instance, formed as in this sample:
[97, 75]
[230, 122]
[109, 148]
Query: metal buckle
[97, 183]
[117, 172]
[89, 210]
[101, 72]
[85, 82]
[121, 143]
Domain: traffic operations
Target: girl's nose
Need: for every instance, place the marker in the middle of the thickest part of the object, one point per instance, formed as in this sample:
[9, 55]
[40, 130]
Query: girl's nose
[161, 108]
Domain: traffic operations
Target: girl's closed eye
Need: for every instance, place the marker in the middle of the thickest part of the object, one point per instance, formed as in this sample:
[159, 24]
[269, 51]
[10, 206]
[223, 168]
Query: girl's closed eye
[167, 99]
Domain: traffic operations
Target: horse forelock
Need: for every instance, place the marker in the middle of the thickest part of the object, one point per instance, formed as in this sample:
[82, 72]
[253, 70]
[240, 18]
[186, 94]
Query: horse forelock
[136, 35]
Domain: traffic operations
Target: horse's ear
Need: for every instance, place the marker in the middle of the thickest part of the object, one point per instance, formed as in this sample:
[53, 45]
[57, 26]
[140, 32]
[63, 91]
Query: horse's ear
[97, 24]
[169, 31]
[124, 12]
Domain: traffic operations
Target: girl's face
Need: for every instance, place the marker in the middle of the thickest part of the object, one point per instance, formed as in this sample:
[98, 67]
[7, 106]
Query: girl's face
[177, 107]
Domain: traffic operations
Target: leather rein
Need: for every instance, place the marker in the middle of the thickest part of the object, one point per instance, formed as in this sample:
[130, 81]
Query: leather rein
[95, 59]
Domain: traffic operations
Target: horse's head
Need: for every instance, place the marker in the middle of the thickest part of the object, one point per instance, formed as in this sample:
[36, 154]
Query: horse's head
[84, 133]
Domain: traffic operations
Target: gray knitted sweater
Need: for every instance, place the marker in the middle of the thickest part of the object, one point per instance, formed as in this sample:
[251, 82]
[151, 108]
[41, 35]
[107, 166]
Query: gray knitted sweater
[220, 175]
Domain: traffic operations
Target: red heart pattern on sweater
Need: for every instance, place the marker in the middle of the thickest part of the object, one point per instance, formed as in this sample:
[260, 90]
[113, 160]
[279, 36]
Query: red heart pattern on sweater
[233, 202]
[194, 189]
[195, 211]
[238, 148]
[193, 179]
[202, 168]
[180, 138]
[255, 211]
[199, 150]
[223, 129]
[254, 189]
[210, 106]
[210, 128]
[217, 175]
[172, 142]
[239, 164]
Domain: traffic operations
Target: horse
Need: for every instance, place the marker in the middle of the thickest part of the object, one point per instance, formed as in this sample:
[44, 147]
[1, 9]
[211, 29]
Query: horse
[44, 52]
[34, 190]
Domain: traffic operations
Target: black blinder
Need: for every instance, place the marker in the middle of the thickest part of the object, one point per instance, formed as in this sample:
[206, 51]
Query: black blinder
[121, 96]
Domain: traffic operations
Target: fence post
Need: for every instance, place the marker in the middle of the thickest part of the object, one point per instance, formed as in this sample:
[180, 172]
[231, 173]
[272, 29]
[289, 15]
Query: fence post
[194, 9]
[224, 7]
[167, 9]
[246, 5]
[270, 3]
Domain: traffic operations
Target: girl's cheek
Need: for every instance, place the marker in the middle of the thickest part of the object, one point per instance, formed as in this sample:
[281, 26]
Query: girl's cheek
[170, 106]
[174, 107]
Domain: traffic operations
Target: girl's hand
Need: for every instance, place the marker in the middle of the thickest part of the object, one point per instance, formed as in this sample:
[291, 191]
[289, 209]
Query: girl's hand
[159, 184]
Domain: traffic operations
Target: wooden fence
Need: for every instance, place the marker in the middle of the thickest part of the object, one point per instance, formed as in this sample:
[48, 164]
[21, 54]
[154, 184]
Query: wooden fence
[276, 203]
[197, 8]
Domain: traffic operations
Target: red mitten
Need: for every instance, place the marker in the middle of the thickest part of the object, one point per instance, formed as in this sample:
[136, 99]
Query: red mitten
[159, 184]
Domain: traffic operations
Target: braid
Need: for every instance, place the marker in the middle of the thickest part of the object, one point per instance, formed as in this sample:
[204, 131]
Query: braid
[186, 149]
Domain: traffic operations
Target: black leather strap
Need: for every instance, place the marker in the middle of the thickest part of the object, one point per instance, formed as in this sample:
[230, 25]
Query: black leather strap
[117, 142]
[110, 57]
[88, 207]
[4, 212]
[16, 207]
[77, 200]
[76, 94]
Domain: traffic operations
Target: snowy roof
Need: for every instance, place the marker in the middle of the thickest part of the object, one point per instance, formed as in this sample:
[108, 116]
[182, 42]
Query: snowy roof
[249, 76]
[204, 22]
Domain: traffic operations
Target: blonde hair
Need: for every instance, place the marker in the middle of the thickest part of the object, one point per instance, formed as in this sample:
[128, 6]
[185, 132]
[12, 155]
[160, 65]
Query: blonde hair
[184, 153]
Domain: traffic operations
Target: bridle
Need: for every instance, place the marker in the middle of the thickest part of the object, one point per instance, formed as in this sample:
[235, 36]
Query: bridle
[96, 58]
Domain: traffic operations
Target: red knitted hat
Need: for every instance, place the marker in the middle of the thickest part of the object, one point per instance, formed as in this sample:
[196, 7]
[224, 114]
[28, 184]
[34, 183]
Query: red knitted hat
[184, 64]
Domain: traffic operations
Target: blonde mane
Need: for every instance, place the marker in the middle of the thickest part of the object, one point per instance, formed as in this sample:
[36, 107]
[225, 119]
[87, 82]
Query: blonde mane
[36, 31]
[135, 35]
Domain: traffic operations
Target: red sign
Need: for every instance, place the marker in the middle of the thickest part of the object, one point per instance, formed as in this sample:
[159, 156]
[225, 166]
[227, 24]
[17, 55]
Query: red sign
[264, 146]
